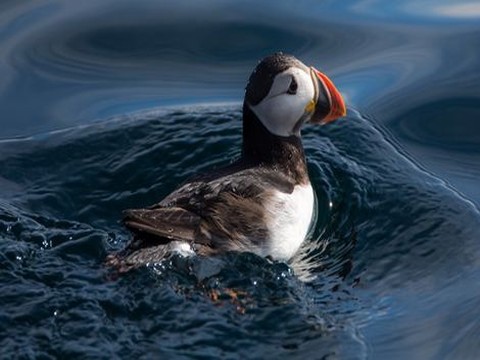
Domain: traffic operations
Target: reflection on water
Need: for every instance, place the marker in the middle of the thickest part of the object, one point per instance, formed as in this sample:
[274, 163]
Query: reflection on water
[400, 246]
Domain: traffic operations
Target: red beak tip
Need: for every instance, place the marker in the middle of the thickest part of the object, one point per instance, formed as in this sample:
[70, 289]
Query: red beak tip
[337, 104]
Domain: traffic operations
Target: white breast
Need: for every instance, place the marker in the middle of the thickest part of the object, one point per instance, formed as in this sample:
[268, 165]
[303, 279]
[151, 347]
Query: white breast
[288, 220]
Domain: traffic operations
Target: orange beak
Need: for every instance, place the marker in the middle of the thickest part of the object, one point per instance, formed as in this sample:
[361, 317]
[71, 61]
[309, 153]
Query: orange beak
[329, 102]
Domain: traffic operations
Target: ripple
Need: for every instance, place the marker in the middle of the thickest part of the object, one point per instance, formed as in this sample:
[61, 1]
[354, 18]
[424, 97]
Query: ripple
[438, 124]
[384, 228]
[392, 261]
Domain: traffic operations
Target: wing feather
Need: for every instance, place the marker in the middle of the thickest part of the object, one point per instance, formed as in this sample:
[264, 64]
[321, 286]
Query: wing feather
[169, 223]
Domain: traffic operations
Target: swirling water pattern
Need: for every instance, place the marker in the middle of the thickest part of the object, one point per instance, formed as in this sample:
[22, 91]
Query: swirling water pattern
[100, 112]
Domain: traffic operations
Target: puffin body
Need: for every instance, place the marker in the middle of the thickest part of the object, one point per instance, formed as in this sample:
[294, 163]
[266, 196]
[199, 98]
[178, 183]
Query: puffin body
[264, 202]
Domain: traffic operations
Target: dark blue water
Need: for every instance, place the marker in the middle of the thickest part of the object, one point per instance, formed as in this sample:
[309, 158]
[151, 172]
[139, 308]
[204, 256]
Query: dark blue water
[108, 105]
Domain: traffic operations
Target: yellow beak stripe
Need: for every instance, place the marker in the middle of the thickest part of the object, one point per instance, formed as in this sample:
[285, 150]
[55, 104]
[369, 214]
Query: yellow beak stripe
[310, 106]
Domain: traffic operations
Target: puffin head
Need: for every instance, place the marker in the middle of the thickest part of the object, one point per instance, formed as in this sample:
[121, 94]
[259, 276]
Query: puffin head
[284, 93]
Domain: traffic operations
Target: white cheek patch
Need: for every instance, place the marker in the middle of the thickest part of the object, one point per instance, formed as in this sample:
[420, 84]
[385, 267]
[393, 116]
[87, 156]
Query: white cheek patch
[280, 111]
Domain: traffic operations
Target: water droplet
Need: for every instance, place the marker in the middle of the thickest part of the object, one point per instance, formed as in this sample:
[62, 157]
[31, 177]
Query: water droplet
[330, 204]
[46, 243]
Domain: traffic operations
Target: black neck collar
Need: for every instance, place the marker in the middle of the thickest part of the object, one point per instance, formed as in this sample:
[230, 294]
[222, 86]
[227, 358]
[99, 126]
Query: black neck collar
[260, 147]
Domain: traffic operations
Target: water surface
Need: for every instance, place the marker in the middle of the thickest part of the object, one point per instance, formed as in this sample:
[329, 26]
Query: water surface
[110, 105]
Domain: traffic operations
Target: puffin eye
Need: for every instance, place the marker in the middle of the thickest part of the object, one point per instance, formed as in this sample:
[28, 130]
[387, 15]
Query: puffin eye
[292, 89]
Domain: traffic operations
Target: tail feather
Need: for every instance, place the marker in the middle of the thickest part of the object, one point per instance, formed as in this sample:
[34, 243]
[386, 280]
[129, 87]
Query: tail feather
[157, 233]
[123, 262]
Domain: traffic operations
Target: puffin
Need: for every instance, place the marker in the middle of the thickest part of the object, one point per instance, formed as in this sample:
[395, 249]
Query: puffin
[262, 203]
